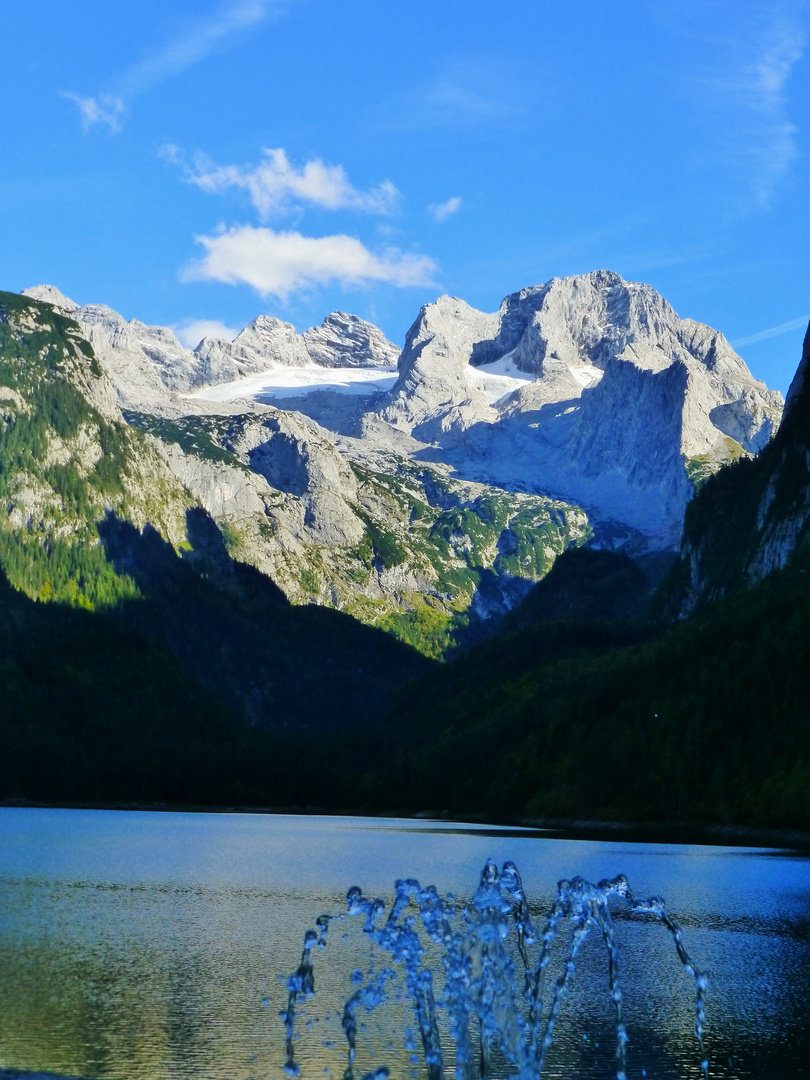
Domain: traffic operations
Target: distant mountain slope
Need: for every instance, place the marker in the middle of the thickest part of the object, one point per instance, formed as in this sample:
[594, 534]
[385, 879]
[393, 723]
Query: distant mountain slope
[752, 517]
[396, 543]
[86, 494]
[66, 457]
[145, 362]
[583, 708]
[607, 397]
[588, 389]
[250, 699]
[583, 411]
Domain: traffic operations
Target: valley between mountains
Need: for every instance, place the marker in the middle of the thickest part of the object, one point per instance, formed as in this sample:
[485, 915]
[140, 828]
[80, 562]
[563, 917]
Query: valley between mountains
[235, 574]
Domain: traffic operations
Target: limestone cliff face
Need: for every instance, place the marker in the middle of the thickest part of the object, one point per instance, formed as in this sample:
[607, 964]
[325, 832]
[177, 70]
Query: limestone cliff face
[753, 517]
[783, 511]
[295, 457]
[606, 394]
[345, 341]
[145, 362]
[565, 334]
[433, 396]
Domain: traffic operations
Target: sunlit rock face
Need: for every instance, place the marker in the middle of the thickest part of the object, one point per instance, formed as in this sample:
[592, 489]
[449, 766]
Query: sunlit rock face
[434, 394]
[147, 362]
[752, 520]
[588, 389]
[346, 341]
[564, 335]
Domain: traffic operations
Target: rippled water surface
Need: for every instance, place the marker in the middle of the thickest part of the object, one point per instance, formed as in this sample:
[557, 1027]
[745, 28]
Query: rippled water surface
[144, 946]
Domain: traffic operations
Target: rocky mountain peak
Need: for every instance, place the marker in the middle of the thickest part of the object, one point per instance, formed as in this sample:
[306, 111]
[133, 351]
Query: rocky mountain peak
[347, 341]
[147, 363]
[589, 388]
[49, 294]
[559, 388]
[269, 341]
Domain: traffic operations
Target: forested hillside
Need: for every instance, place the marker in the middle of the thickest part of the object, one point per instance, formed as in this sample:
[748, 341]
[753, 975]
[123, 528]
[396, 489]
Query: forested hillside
[138, 660]
[705, 721]
[141, 661]
[595, 702]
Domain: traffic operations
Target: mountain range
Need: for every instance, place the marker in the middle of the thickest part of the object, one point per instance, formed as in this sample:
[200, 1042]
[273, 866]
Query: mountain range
[417, 495]
[529, 475]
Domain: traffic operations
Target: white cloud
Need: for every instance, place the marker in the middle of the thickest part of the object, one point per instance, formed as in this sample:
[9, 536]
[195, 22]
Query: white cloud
[200, 38]
[277, 263]
[106, 109]
[441, 211]
[772, 331]
[190, 332]
[275, 183]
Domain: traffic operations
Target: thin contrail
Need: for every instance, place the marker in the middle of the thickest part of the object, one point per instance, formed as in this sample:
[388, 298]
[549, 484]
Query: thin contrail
[772, 331]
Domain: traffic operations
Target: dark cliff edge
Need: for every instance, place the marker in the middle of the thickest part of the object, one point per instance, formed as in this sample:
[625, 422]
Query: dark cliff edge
[753, 516]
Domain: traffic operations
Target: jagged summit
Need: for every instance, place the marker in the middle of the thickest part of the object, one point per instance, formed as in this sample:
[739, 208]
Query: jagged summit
[347, 341]
[563, 335]
[587, 388]
[147, 363]
[49, 294]
[590, 387]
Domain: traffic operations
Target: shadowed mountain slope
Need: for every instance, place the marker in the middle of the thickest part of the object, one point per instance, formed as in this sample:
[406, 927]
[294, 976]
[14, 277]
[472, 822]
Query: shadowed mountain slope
[574, 711]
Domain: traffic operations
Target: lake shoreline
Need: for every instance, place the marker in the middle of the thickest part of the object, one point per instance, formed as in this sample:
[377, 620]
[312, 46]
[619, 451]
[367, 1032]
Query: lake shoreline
[690, 833]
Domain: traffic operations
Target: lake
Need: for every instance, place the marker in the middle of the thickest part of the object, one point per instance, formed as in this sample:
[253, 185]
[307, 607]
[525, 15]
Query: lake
[155, 946]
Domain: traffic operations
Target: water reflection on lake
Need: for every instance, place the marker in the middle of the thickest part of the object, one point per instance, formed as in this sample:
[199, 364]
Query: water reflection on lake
[144, 946]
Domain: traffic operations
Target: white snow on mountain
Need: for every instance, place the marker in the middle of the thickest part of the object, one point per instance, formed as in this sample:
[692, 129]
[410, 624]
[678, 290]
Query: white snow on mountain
[499, 378]
[588, 388]
[279, 383]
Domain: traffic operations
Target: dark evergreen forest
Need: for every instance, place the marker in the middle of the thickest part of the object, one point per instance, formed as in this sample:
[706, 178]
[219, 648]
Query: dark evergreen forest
[134, 673]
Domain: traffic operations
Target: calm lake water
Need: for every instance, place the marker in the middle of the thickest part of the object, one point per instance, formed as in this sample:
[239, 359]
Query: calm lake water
[149, 946]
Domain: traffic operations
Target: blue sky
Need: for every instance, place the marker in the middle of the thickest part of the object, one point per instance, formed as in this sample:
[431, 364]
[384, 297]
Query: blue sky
[223, 158]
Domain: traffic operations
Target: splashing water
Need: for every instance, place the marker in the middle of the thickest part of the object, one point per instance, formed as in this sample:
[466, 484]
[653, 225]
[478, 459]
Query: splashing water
[494, 964]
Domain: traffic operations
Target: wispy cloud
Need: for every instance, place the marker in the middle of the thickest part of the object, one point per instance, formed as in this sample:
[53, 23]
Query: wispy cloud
[467, 92]
[275, 184]
[278, 263]
[771, 332]
[190, 332]
[442, 211]
[749, 90]
[107, 109]
[200, 38]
